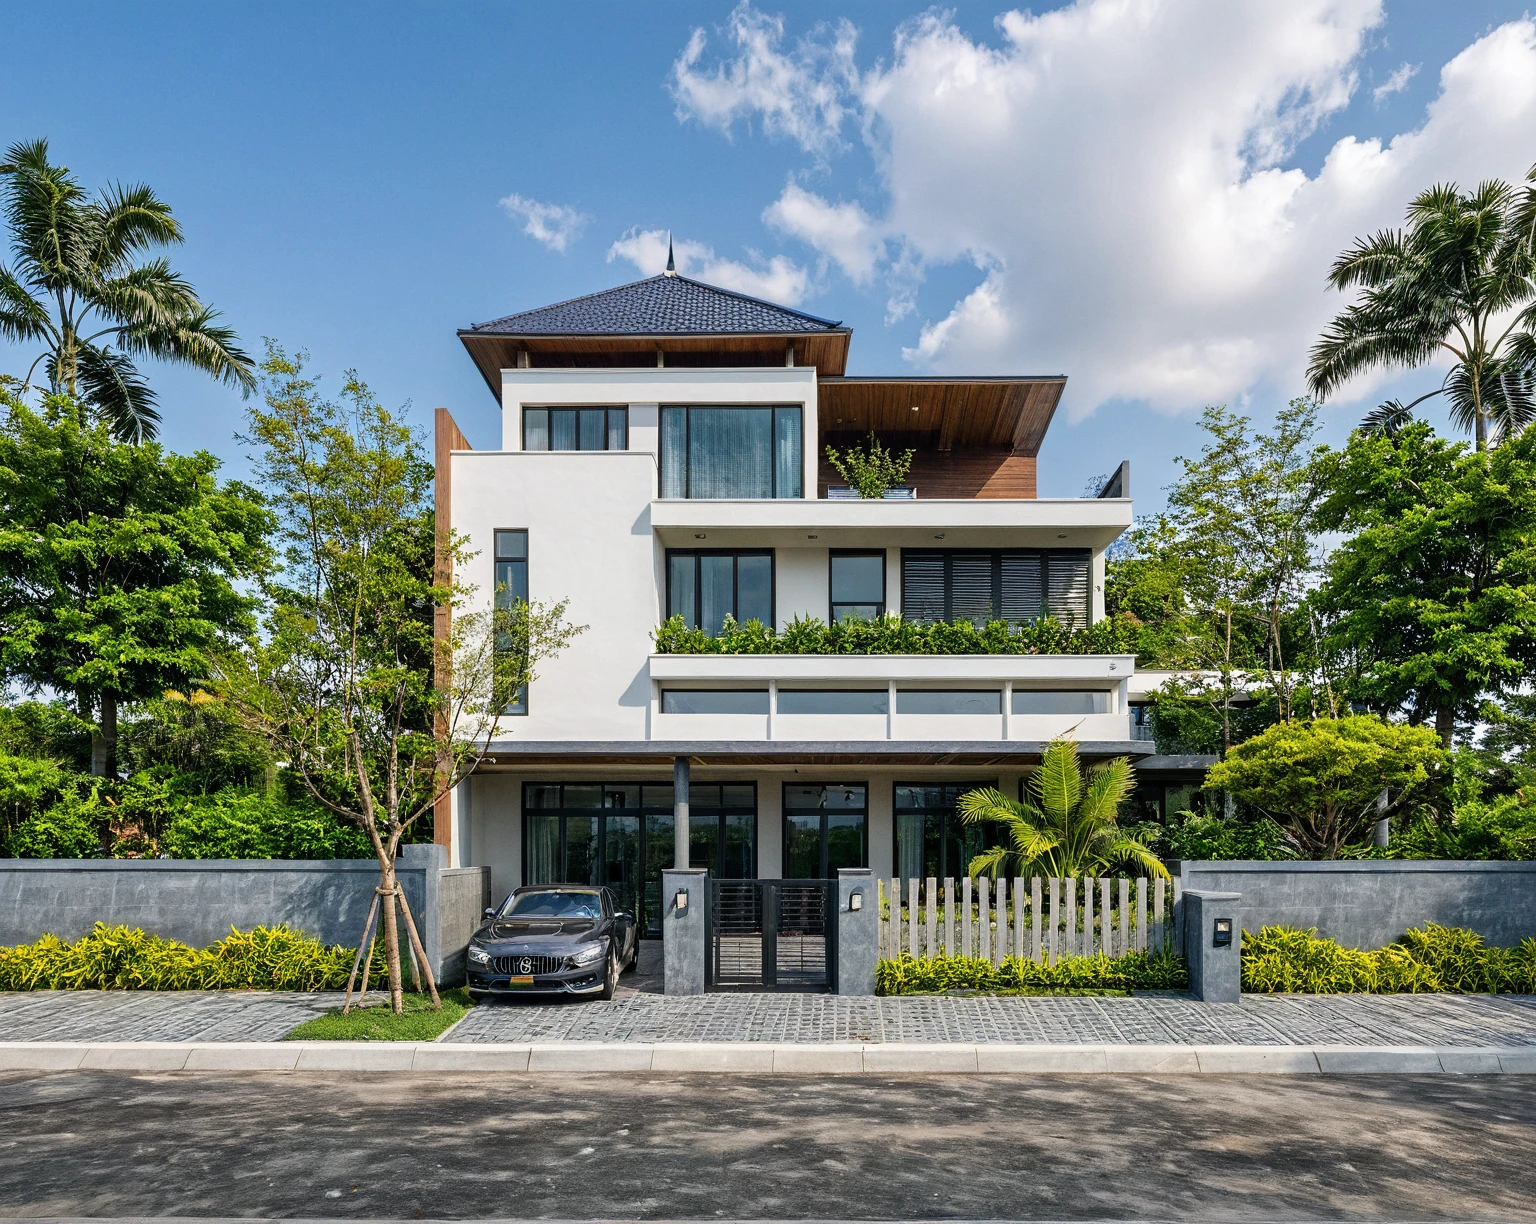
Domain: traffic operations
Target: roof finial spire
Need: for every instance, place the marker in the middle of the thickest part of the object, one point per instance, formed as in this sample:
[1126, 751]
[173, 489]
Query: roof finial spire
[671, 263]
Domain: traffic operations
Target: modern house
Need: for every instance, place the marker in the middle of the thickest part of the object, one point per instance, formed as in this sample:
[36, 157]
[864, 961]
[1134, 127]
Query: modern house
[662, 454]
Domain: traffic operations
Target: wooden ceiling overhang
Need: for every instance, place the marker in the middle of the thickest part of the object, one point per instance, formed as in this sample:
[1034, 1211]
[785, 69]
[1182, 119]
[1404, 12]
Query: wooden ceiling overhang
[950, 413]
[494, 352]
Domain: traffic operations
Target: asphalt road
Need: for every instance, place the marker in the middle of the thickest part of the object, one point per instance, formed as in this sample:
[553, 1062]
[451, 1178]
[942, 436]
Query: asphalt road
[718, 1147]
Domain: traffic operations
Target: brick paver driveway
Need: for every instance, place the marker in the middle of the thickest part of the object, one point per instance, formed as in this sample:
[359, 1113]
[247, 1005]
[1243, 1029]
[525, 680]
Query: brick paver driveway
[142, 1015]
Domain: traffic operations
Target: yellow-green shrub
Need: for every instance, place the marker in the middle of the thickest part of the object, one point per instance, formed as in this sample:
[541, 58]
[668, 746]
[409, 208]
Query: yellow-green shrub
[1428, 958]
[932, 975]
[124, 958]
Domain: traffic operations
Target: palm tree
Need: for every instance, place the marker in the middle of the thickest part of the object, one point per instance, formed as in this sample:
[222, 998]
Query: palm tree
[1066, 825]
[77, 286]
[1447, 283]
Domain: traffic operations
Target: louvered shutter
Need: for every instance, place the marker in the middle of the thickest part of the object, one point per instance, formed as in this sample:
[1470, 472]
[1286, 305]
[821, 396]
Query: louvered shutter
[922, 586]
[1023, 589]
[970, 587]
[1067, 588]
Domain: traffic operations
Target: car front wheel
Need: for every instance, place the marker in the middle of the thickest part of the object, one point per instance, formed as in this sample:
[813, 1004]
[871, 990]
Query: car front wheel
[610, 975]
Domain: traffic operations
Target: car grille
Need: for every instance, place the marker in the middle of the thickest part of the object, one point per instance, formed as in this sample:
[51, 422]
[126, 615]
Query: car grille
[522, 966]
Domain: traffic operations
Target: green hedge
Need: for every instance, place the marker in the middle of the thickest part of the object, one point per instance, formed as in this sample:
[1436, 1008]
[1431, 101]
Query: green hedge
[123, 958]
[892, 635]
[1430, 958]
[933, 975]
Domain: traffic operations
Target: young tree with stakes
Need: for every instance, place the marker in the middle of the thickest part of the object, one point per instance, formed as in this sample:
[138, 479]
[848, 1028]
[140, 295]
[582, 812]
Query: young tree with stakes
[375, 719]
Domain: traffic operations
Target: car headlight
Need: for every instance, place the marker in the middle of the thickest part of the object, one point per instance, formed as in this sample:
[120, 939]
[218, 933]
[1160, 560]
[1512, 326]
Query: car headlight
[589, 954]
[479, 956]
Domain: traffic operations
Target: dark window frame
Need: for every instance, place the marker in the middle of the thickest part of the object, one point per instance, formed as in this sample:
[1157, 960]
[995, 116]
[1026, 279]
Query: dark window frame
[698, 591]
[517, 707]
[608, 421]
[833, 603]
[991, 832]
[785, 812]
[773, 468]
[996, 554]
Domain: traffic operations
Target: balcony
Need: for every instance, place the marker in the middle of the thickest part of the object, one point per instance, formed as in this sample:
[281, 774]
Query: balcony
[919, 698]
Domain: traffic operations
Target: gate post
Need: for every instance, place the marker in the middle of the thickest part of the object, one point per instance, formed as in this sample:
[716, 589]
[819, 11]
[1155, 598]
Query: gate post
[683, 930]
[858, 931]
[1213, 931]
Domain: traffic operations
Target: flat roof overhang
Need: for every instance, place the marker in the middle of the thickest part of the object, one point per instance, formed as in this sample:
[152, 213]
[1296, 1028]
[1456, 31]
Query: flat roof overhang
[514, 753]
[494, 352]
[951, 413]
[1089, 522]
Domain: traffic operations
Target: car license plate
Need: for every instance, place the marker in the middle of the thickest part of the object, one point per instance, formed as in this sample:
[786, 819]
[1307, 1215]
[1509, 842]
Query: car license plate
[520, 981]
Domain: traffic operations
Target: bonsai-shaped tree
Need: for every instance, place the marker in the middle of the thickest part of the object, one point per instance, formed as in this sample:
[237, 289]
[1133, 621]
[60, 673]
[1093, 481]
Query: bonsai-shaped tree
[1320, 780]
[872, 470]
[1066, 825]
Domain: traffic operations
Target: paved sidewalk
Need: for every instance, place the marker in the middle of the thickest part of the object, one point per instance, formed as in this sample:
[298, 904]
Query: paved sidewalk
[1436, 1021]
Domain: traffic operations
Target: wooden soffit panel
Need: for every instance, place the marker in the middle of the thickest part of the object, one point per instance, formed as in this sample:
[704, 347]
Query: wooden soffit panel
[947, 413]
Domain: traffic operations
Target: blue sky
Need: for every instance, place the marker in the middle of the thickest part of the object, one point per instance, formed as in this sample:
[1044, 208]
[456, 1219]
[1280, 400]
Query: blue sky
[1145, 203]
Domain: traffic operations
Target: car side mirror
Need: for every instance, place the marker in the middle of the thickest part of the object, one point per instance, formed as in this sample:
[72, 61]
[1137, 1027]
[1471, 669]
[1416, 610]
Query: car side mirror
[626, 915]
[489, 912]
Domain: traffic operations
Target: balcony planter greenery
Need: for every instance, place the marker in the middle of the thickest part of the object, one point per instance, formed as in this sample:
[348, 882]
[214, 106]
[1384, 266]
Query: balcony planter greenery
[872, 470]
[891, 635]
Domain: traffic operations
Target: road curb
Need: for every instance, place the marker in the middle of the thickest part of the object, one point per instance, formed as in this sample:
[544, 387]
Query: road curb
[760, 1058]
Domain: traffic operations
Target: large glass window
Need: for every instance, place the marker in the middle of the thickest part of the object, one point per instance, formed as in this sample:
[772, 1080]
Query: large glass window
[714, 701]
[949, 701]
[1017, 585]
[569, 429]
[833, 701]
[620, 834]
[858, 585]
[706, 587]
[931, 839]
[511, 589]
[731, 452]
[825, 827]
[1058, 701]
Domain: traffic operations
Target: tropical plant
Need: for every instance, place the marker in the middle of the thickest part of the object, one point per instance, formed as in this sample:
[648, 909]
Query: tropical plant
[1321, 780]
[1067, 824]
[376, 718]
[872, 470]
[1428, 958]
[1433, 590]
[893, 635]
[1460, 279]
[78, 288]
[119, 564]
[908, 975]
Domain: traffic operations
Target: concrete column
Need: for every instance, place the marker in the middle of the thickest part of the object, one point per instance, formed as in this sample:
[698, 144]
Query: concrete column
[684, 948]
[680, 771]
[858, 931]
[1215, 971]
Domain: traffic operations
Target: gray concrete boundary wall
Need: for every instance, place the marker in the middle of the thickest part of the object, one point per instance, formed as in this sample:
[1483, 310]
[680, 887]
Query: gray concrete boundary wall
[197, 901]
[1370, 904]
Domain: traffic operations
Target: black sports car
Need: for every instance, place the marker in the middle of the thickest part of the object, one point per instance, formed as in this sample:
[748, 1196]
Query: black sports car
[552, 939]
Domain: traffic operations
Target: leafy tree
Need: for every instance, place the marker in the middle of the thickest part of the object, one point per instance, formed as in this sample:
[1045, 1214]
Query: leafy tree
[1320, 780]
[79, 288]
[1434, 591]
[1066, 825]
[375, 719]
[872, 470]
[1460, 279]
[200, 740]
[118, 564]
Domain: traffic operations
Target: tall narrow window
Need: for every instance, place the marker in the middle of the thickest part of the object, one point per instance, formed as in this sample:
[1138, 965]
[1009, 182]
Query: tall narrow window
[511, 589]
[858, 585]
[1018, 585]
[569, 429]
[706, 587]
[825, 827]
[720, 452]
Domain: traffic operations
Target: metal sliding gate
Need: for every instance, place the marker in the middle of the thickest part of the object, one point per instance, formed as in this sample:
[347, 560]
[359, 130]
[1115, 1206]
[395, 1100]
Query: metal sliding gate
[772, 934]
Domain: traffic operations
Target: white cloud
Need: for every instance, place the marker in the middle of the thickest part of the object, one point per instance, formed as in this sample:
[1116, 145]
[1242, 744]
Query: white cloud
[779, 279]
[555, 225]
[1395, 83]
[798, 93]
[842, 232]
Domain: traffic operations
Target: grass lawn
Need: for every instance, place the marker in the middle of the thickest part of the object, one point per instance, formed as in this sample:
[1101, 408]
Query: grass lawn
[377, 1023]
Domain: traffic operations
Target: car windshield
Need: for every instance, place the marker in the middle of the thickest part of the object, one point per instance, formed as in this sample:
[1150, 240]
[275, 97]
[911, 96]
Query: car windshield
[555, 905]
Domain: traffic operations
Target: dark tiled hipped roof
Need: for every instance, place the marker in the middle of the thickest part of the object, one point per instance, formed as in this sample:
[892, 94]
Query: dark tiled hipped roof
[659, 305]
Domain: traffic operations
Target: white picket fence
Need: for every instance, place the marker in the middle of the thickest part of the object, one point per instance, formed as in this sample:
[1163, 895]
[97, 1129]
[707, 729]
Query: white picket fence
[1042, 919]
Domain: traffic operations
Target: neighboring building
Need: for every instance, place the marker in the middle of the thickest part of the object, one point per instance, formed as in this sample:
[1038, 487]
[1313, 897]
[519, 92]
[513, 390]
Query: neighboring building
[662, 452]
